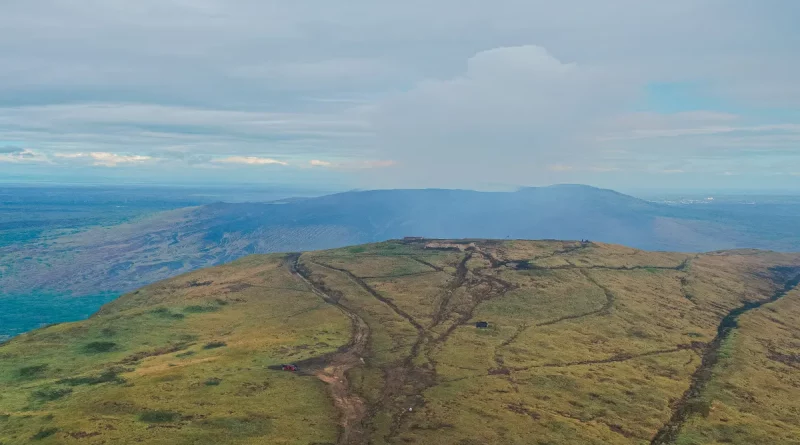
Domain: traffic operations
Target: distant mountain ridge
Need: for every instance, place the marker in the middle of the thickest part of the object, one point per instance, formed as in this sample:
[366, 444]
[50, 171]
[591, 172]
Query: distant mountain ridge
[441, 213]
[127, 256]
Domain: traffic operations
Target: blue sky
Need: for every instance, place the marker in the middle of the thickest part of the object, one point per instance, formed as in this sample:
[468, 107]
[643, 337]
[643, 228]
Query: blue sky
[627, 94]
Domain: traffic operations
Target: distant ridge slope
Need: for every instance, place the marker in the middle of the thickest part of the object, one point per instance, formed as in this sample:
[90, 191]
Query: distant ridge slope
[124, 257]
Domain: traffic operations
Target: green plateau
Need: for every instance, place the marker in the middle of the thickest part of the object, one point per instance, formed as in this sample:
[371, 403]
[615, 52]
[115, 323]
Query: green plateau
[426, 341]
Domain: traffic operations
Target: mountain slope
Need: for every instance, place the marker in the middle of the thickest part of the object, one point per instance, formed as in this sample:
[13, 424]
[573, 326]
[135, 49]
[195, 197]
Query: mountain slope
[124, 257]
[584, 343]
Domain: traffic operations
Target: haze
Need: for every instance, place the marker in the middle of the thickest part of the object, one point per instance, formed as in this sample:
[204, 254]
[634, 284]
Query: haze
[623, 94]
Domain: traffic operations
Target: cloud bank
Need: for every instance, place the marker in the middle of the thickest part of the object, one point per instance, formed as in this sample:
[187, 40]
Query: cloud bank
[621, 93]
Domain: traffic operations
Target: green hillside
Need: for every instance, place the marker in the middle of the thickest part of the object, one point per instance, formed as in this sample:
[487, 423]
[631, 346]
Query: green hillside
[584, 343]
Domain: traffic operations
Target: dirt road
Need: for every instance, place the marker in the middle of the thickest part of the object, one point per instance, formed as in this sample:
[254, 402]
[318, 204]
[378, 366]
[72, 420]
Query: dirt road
[332, 369]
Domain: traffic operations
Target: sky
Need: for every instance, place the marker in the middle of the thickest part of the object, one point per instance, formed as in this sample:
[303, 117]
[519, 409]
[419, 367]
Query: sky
[625, 94]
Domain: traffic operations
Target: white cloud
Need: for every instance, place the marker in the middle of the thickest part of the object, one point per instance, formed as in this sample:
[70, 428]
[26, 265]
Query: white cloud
[500, 89]
[160, 129]
[178, 120]
[371, 164]
[717, 141]
[353, 165]
[603, 169]
[513, 112]
[560, 168]
[113, 159]
[24, 156]
[105, 159]
[583, 168]
[71, 155]
[249, 160]
[337, 73]
[650, 133]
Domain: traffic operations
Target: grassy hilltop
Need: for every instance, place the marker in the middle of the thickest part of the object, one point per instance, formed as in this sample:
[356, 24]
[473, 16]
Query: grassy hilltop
[586, 343]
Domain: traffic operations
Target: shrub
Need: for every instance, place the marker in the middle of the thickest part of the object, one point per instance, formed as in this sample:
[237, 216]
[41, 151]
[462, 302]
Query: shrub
[50, 394]
[32, 371]
[97, 347]
[44, 433]
[158, 416]
[214, 381]
[200, 309]
[699, 406]
[107, 376]
[215, 344]
[166, 313]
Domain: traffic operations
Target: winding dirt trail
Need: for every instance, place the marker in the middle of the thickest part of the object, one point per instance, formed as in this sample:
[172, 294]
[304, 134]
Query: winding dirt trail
[360, 282]
[332, 369]
[409, 377]
[624, 357]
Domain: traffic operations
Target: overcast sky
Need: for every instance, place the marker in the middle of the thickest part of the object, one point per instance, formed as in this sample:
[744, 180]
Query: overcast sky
[450, 93]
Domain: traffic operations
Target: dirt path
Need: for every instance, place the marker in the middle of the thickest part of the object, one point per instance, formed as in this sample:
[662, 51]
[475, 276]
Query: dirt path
[332, 369]
[404, 381]
[419, 378]
[679, 267]
[686, 406]
[397, 310]
[409, 377]
[624, 357]
[455, 283]
[423, 262]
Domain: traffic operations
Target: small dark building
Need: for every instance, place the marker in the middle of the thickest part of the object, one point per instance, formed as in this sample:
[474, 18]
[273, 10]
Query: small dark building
[482, 324]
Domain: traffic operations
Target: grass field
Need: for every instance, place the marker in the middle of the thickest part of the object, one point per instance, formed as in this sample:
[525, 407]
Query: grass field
[178, 362]
[586, 343]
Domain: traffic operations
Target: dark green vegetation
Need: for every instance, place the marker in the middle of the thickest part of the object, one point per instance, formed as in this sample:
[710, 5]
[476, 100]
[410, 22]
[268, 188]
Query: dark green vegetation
[159, 416]
[32, 371]
[42, 434]
[586, 343]
[49, 394]
[99, 347]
